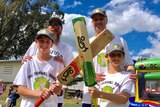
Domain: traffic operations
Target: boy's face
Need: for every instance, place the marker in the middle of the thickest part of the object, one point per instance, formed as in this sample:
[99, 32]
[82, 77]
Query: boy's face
[116, 58]
[44, 44]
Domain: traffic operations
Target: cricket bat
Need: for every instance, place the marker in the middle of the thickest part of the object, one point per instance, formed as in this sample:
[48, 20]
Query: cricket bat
[72, 69]
[84, 49]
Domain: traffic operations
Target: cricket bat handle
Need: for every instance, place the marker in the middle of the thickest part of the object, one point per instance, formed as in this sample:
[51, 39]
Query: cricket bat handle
[39, 102]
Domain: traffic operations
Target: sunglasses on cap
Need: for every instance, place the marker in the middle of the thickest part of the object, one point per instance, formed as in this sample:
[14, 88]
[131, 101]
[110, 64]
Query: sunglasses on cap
[53, 24]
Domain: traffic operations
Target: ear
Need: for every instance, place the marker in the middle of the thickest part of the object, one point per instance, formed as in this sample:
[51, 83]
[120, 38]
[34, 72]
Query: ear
[36, 41]
[106, 56]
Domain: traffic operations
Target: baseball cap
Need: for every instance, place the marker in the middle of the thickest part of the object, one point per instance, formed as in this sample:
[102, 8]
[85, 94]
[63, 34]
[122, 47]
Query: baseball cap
[98, 11]
[55, 17]
[45, 32]
[114, 47]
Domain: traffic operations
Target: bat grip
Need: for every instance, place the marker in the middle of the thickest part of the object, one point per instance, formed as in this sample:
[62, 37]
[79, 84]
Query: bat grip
[38, 102]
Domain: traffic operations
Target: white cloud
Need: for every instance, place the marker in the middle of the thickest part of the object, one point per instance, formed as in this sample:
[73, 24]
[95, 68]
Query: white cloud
[61, 2]
[156, 1]
[68, 33]
[75, 3]
[154, 51]
[132, 18]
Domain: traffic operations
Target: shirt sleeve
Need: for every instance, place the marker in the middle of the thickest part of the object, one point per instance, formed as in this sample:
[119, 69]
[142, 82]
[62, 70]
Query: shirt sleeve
[21, 77]
[68, 55]
[32, 50]
[127, 86]
[127, 59]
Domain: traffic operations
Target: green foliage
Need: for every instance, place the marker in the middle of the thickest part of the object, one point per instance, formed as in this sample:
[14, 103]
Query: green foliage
[19, 22]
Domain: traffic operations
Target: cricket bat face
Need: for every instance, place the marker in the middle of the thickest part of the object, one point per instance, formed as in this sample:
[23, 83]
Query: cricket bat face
[70, 71]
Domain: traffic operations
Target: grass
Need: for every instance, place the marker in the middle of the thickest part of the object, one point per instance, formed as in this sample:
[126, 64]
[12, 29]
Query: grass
[71, 102]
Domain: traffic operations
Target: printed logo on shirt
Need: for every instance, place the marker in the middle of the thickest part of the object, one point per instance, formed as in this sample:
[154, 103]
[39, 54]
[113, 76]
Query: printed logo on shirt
[54, 52]
[107, 89]
[102, 60]
[40, 83]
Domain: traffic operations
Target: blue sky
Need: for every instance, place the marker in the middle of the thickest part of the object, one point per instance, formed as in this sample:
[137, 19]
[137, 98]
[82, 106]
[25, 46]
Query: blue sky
[137, 21]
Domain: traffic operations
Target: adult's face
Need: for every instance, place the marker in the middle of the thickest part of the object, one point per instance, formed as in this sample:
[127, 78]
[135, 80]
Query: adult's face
[99, 23]
[56, 27]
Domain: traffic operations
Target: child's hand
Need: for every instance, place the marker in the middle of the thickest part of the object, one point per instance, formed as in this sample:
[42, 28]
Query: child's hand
[93, 92]
[45, 93]
[56, 88]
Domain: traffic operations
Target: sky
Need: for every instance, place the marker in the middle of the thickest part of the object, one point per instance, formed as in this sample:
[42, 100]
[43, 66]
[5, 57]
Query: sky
[137, 21]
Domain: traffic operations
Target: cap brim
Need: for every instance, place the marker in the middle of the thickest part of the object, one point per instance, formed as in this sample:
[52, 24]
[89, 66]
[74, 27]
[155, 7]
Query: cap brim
[116, 51]
[97, 13]
[43, 35]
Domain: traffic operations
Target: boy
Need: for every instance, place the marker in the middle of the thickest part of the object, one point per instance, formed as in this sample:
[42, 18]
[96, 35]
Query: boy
[115, 90]
[37, 77]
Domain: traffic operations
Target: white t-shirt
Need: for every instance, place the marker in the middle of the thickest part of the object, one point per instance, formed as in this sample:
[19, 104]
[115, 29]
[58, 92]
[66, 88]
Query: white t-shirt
[100, 62]
[36, 75]
[115, 83]
[63, 50]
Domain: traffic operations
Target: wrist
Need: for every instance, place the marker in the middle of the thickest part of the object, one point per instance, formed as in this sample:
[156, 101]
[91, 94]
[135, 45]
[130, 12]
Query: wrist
[61, 93]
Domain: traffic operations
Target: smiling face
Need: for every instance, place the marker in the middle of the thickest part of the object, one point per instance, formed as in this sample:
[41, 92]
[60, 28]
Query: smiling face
[44, 44]
[56, 27]
[99, 23]
[115, 58]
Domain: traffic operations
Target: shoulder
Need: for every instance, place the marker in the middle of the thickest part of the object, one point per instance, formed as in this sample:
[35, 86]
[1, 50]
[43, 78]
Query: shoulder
[117, 37]
[34, 58]
[64, 45]
[125, 73]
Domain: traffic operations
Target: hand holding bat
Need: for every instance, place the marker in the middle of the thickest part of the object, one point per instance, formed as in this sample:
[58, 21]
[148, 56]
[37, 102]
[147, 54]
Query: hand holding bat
[55, 88]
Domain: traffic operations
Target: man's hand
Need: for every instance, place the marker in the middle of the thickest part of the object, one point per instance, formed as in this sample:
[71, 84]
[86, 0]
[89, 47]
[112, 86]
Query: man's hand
[59, 59]
[133, 77]
[26, 58]
[100, 77]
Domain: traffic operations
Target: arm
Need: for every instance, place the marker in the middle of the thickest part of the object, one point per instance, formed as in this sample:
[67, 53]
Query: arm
[130, 68]
[127, 63]
[24, 91]
[121, 98]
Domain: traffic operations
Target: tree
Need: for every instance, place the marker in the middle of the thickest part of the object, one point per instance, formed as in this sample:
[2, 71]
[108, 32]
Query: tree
[19, 22]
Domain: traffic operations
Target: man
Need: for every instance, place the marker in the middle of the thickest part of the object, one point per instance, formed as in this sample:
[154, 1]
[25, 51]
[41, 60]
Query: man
[61, 51]
[99, 21]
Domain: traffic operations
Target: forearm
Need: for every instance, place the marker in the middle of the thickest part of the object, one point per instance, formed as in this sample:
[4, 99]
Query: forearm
[117, 98]
[24, 91]
[130, 68]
